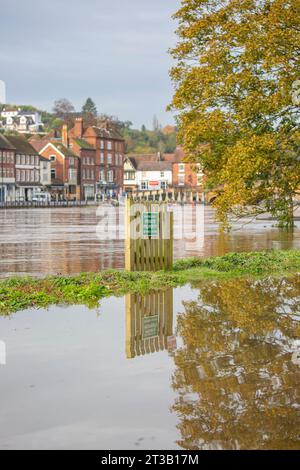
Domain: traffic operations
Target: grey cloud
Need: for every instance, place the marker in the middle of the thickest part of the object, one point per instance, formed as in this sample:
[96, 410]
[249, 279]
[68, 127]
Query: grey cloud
[112, 50]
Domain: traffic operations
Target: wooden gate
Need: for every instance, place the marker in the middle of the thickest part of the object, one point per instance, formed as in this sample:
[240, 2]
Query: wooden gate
[148, 236]
[149, 323]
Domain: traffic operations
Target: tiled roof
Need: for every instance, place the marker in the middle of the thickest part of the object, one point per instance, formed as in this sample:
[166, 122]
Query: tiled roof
[66, 151]
[107, 133]
[144, 163]
[83, 144]
[21, 145]
[38, 144]
[5, 144]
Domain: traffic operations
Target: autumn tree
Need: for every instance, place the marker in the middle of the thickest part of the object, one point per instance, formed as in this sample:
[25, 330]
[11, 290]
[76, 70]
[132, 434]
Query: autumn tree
[236, 381]
[237, 65]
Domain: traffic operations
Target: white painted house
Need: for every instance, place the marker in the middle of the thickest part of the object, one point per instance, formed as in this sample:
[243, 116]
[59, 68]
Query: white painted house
[21, 121]
[147, 172]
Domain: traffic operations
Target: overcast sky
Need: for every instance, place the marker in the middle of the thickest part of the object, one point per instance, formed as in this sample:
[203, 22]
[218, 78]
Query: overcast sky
[112, 50]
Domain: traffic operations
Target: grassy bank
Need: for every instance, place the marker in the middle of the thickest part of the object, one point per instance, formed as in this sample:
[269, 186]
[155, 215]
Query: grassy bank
[23, 292]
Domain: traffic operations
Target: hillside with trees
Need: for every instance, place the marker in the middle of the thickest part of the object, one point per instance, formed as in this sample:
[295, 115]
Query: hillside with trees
[138, 141]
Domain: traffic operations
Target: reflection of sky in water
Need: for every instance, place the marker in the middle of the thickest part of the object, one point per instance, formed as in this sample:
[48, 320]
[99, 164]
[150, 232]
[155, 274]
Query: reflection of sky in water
[68, 384]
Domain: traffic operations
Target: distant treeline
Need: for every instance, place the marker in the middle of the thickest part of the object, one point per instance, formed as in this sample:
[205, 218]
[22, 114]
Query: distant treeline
[138, 141]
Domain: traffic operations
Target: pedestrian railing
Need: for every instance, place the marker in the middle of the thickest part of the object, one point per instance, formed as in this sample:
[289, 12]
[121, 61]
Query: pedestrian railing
[40, 204]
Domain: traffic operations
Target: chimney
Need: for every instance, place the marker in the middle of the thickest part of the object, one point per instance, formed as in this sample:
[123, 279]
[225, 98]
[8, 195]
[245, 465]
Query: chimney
[64, 135]
[78, 128]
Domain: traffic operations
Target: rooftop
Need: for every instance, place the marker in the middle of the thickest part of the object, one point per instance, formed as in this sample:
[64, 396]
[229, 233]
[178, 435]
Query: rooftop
[5, 144]
[83, 144]
[21, 145]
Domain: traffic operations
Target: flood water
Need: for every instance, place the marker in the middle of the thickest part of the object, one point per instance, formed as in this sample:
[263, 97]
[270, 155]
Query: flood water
[65, 240]
[190, 368]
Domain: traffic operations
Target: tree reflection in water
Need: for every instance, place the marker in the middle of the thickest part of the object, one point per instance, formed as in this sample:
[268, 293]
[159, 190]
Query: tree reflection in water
[237, 385]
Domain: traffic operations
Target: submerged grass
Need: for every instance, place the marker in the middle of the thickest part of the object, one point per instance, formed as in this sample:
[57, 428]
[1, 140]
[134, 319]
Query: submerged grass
[19, 293]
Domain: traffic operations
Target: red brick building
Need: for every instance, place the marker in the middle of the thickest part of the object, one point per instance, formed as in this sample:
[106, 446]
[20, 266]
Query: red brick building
[87, 161]
[65, 171]
[186, 175]
[110, 150]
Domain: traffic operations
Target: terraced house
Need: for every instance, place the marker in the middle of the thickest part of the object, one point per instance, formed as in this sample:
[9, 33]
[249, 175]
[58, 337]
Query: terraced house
[110, 151]
[147, 172]
[27, 168]
[7, 170]
[87, 163]
[65, 171]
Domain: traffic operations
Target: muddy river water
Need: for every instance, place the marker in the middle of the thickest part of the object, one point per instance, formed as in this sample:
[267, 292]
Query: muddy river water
[213, 365]
[66, 240]
[190, 368]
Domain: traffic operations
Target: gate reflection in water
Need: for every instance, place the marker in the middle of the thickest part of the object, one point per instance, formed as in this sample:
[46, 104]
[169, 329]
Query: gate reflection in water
[149, 323]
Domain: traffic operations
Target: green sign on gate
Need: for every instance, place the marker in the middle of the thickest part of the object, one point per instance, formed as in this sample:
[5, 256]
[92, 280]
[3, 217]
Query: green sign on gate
[150, 327]
[150, 224]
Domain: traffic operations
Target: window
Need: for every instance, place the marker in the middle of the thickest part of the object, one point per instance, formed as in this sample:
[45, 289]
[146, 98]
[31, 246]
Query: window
[37, 160]
[102, 175]
[18, 159]
[32, 176]
[52, 158]
[32, 160]
[102, 144]
[102, 158]
[162, 174]
[144, 185]
[18, 175]
[129, 175]
[109, 145]
[109, 159]
[72, 174]
[163, 184]
[53, 174]
[181, 180]
[181, 167]
[110, 176]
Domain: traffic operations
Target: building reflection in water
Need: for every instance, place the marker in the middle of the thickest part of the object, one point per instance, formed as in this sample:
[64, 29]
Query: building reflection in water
[149, 323]
[236, 378]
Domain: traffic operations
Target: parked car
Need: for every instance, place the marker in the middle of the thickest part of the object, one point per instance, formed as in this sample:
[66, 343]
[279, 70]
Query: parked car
[41, 197]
